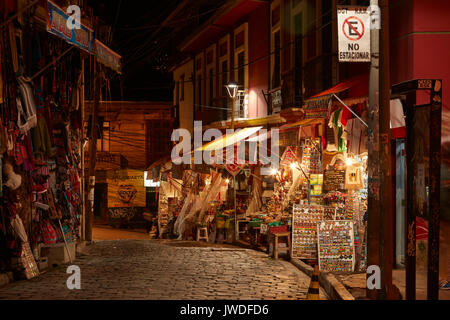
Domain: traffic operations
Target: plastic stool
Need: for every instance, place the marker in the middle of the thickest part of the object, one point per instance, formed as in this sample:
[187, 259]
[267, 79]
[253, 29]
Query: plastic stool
[287, 249]
[202, 234]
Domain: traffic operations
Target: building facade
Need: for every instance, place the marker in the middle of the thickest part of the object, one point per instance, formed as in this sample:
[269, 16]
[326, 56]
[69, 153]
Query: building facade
[279, 52]
[132, 135]
[283, 52]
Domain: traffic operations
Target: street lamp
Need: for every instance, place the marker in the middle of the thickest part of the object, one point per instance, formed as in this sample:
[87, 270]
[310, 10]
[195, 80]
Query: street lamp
[232, 88]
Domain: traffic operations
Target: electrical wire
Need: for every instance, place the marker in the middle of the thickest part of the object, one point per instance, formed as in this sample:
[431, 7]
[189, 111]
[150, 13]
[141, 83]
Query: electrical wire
[173, 22]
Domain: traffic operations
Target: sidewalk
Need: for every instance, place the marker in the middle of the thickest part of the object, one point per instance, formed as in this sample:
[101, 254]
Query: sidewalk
[356, 284]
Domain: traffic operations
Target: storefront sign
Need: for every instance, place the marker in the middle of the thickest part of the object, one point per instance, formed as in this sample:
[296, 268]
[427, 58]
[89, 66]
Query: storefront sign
[107, 57]
[318, 107]
[233, 169]
[126, 189]
[277, 101]
[354, 34]
[82, 37]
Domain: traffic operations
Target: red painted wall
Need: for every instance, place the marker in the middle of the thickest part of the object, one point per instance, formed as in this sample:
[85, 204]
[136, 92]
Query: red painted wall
[258, 41]
[420, 46]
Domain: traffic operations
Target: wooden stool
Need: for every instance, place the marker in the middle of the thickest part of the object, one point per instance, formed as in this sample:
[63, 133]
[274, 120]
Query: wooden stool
[205, 234]
[287, 235]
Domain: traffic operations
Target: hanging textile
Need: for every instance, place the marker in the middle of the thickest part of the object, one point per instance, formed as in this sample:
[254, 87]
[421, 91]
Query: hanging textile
[339, 133]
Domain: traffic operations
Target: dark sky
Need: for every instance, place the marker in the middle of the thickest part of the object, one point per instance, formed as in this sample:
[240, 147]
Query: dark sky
[147, 51]
[133, 22]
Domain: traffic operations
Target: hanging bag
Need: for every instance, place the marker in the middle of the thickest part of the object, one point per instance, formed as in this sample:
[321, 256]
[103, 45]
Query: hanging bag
[48, 233]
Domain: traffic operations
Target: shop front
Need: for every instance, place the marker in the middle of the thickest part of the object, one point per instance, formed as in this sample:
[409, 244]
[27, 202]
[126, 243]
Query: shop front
[41, 137]
[41, 142]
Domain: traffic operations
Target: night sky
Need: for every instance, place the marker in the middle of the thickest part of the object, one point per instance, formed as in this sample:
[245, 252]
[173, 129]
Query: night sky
[146, 49]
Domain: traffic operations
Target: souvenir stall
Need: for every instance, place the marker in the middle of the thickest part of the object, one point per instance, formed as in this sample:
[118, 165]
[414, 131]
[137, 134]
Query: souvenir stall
[40, 146]
[329, 228]
[293, 183]
[170, 200]
[204, 210]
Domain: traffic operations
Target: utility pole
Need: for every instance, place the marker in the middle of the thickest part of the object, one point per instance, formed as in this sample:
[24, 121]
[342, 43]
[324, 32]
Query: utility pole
[373, 208]
[236, 224]
[386, 208]
[380, 237]
[89, 196]
[82, 145]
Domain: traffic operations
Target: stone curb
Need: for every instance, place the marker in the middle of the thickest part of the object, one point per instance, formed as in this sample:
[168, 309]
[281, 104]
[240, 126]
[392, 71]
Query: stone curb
[6, 278]
[334, 289]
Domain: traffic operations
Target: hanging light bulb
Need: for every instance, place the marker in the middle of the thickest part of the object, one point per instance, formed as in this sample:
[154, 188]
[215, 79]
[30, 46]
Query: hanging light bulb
[227, 181]
[293, 165]
[274, 172]
[349, 161]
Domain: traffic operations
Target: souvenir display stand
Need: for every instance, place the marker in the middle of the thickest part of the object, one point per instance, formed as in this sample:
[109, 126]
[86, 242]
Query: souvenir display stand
[41, 141]
[305, 219]
[336, 246]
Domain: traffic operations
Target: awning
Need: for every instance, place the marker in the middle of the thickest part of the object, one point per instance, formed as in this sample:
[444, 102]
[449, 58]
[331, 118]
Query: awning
[159, 162]
[362, 80]
[230, 139]
[398, 126]
[317, 106]
[303, 123]
[244, 123]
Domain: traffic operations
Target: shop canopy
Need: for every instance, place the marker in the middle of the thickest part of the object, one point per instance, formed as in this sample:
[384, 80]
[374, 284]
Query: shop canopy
[303, 123]
[230, 139]
[360, 82]
[318, 105]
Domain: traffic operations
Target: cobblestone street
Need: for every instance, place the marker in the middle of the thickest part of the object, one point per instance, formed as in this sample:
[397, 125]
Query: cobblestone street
[152, 269]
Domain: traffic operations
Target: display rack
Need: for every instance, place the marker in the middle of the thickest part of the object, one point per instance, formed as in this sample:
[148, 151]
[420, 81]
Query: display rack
[304, 228]
[336, 248]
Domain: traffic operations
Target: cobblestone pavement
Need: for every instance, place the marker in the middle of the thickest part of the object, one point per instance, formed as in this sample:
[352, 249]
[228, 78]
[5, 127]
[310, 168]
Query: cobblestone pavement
[152, 269]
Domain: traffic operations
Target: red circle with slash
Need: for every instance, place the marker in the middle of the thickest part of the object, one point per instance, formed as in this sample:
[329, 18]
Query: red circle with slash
[359, 34]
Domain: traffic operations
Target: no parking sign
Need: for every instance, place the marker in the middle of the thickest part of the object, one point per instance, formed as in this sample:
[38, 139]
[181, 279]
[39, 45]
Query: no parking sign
[354, 34]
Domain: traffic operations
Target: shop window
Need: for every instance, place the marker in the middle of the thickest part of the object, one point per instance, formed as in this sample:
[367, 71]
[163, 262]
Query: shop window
[103, 143]
[240, 39]
[177, 93]
[298, 57]
[199, 90]
[223, 49]
[209, 57]
[211, 86]
[275, 15]
[224, 72]
[241, 69]
[276, 67]
[182, 87]
[241, 105]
